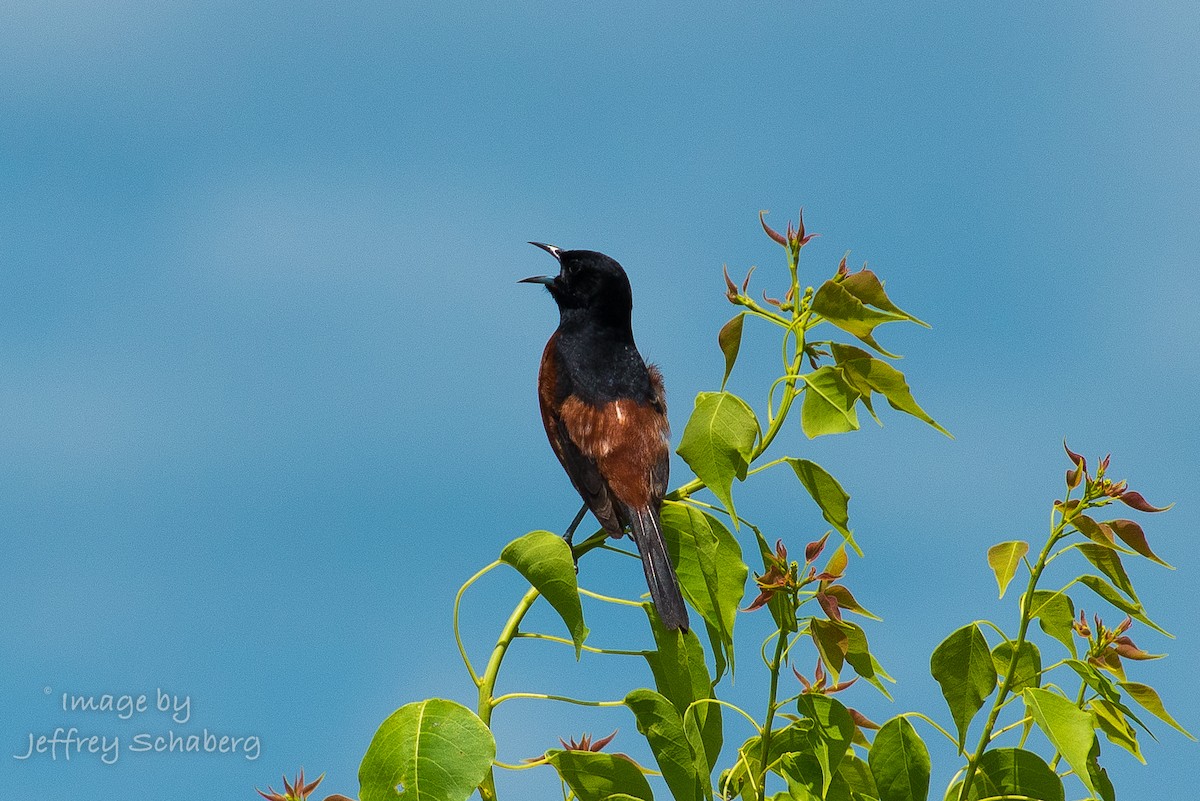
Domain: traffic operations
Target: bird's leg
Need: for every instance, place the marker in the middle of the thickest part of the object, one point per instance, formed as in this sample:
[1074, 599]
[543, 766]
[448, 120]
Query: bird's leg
[571, 533]
[575, 524]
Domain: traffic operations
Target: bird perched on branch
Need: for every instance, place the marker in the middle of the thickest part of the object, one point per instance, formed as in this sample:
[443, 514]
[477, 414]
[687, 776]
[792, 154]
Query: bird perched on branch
[605, 413]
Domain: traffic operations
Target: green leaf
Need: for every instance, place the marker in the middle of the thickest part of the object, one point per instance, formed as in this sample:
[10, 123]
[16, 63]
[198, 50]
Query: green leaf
[859, 656]
[828, 403]
[1148, 698]
[1016, 772]
[432, 750]
[806, 782]
[730, 340]
[872, 375]
[962, 665]
[899, 762]
[847, 602]
[830, 735]
[685, 772]
[857, 774]
[1107, 690]
[681, 675]
[709, 563]
[1055, 615]
[1100, 535]
[1108, 562]
[1132, 535]
[545, 560]
[1067, 727]
[832, 643]
[828, 493]
[1098, 779]
[718, 441]
[1109, 593]
[1004, 560]
[596, 776]
[738, 779]
[1109, 719]
[839, 306]
[867, 287]
[1027, 672]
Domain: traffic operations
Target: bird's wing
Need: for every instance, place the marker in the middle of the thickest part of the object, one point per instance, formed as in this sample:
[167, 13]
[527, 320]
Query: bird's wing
[566, 432]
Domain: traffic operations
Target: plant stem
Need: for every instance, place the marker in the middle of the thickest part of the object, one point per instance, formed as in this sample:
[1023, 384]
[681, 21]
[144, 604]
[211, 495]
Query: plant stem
[776, 662]
[487, 790]
[1026, 600]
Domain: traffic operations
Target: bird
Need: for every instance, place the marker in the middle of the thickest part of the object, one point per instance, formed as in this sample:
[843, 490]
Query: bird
[605, 413]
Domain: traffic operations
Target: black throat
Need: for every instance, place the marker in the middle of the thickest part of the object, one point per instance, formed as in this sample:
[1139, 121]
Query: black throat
[598, 361]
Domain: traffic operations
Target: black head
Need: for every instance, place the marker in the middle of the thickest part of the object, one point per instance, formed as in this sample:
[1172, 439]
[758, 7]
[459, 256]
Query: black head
[589, 283]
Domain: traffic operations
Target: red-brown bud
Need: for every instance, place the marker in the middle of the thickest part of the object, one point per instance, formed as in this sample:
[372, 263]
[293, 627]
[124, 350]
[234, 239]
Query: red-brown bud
[861, 720]
[1136, 501]
[1079, 461]
[830, 605]
[1074, 476]
[730, 287]
[746, 283]
[771, 232]
[813, 549]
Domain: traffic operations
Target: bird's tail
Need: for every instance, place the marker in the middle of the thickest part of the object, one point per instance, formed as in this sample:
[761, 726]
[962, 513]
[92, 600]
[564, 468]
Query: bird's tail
[646, 530]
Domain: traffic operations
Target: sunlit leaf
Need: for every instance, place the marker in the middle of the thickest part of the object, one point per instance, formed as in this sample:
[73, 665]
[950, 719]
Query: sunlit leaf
[1067, 727]
[832, 643]
[1027, 672]
[718, 441]
[544, 559]
[857, 774]
[899, 762]
[828, 406]
[432, 750]
[1109, 593]
[709, 563]
[1107, 690]
[1108, 719]
[1148, 698]
[841, 308]
[867, 287]
[829, 496]
[873, 375]
[1055, 614]
[1017, 773]
[596, 776]
[1108, 562]
[830, 734]
[742, 777]
[685, 771]
[962, 666]
[681, 676]
[859, 657]
[1099, 533]
[1004, 560]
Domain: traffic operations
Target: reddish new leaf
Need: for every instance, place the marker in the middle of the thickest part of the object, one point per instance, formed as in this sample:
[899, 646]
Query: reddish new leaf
[1136, 501]
[1132, 535]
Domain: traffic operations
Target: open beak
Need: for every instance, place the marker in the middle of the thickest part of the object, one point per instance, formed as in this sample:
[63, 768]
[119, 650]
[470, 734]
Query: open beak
[551, 249]
[547, 280]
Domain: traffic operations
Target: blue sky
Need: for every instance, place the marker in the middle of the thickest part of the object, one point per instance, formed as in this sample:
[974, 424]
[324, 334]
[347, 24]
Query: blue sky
[268, 380]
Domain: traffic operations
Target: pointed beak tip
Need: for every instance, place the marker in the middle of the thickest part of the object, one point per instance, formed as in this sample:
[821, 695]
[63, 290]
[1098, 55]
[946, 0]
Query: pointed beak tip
[554, 251]
[545, 280]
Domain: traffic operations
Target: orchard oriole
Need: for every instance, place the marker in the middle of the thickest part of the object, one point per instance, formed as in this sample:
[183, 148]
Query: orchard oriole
[605, 413]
